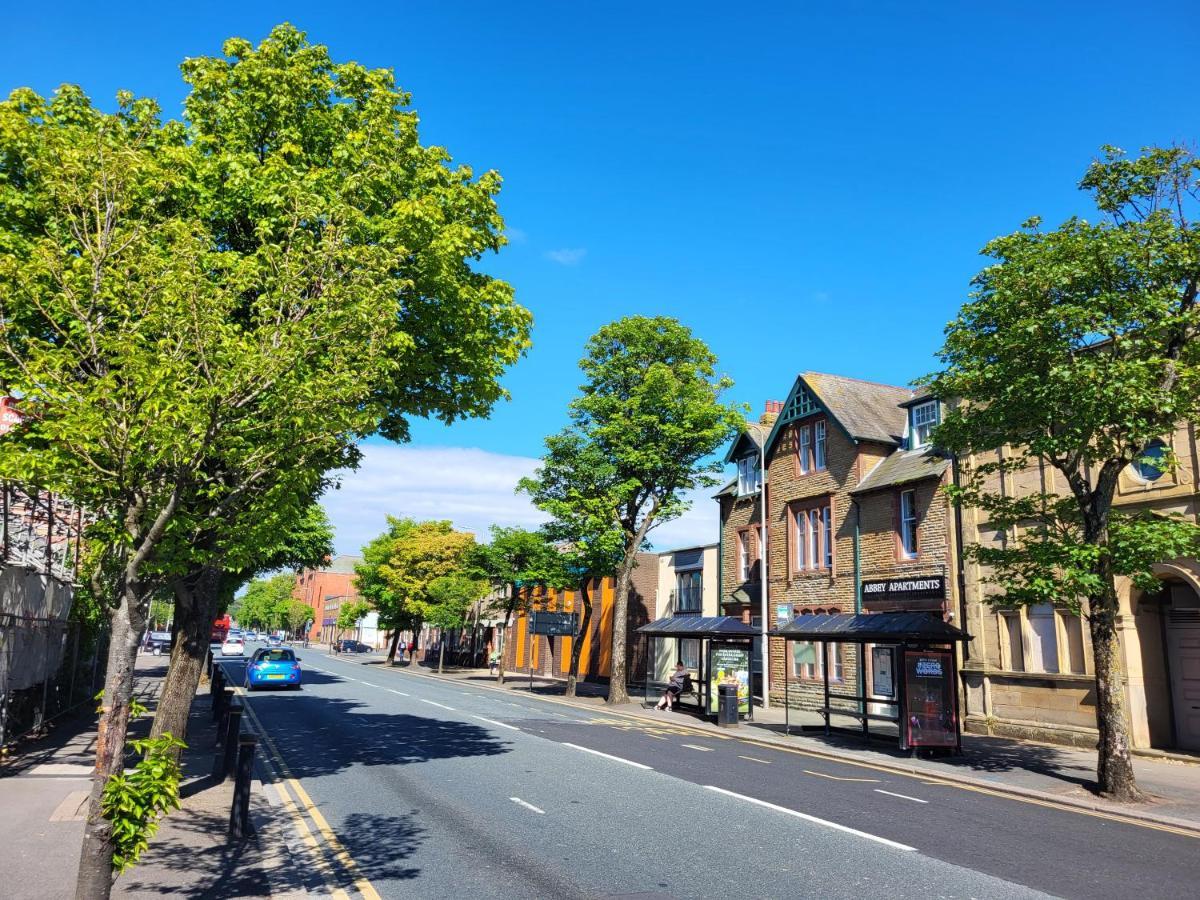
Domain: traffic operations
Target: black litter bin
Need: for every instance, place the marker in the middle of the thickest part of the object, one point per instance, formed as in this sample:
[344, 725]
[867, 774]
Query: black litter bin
[727, 705]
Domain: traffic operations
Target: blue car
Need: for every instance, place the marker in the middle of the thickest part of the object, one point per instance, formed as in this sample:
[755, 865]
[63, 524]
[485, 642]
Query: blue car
[273, 667]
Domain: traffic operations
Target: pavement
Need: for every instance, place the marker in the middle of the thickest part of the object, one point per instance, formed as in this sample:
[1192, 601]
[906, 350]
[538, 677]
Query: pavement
[47, 782]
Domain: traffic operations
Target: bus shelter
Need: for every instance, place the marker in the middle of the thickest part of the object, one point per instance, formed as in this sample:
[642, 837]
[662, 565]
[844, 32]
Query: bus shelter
[726, 647]
[914, 672]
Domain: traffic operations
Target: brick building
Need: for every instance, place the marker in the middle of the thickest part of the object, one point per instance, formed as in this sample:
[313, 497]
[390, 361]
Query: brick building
[856, 519]
[333, 581]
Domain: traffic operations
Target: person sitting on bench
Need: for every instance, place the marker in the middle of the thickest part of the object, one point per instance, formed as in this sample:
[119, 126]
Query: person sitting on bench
[674, 687]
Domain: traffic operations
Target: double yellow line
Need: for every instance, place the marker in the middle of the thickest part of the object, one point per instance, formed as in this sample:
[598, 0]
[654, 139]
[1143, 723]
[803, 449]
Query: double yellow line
[302, 806]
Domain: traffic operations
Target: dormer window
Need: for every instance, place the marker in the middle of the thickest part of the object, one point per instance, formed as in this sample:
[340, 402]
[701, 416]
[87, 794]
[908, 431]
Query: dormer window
[922, 419]
[749, 475]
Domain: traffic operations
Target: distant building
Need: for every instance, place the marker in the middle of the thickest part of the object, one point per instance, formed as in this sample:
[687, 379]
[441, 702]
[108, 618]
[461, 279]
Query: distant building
[315, 587]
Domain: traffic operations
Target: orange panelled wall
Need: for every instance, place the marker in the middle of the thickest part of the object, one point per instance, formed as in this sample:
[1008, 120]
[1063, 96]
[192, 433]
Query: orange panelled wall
[565, 642]
[585, 654]
[521, 624]
[606, 620]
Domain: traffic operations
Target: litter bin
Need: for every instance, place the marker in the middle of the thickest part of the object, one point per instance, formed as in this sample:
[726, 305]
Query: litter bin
[727, 705]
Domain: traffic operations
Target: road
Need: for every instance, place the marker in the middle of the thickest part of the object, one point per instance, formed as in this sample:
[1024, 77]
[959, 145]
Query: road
[446, 790]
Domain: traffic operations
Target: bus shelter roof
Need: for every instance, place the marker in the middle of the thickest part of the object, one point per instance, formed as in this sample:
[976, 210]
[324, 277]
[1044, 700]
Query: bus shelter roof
[700, 627]
[872, 628]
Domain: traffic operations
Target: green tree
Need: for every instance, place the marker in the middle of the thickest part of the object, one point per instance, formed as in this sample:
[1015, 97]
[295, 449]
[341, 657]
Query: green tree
[642, 433]
[448, 600]
[514, 559]
[350, 614]
[399, 565]
[1077, 350]
[160, 289]
[585, 536]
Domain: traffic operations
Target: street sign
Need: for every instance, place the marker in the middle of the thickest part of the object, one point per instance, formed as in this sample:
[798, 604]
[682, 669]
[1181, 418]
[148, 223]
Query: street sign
[552, 623]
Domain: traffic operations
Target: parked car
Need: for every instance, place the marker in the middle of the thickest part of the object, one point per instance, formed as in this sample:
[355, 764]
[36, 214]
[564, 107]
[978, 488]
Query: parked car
[157, 642]
[273, 666]
[274, 641]
[348, 645]
[233, 647]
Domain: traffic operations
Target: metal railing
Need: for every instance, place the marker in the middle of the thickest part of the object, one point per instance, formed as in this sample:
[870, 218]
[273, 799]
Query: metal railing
[73, 658]
[40, 531]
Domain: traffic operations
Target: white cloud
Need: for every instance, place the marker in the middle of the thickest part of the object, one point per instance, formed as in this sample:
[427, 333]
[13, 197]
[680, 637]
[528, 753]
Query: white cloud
[472, 488]
[567, 256]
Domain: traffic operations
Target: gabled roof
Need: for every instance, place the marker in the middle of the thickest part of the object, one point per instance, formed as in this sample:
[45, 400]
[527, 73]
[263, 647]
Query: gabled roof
[748, 441]
[864, 410]
[729, 490]
[904, 467]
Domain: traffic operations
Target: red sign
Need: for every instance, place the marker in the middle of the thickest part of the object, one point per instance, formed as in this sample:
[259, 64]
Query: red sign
[8, 414]
[929, 694]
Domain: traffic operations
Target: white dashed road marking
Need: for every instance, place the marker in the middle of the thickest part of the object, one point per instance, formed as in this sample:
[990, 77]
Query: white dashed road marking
[494, 722]
[901, 796]
[435, 703]
[529, 806]
[628, 762]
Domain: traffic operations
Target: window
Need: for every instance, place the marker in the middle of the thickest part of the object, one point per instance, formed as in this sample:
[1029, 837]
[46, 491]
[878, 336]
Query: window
[1043, 641]
[1151, 464]
[1073, 639]
[688, 590]
[908, 524]
[1010, 635]
[812, 538]
[689, 653]
[749, 475]
[743, 556]
[811, 447]
[807, 657]
[922, 419]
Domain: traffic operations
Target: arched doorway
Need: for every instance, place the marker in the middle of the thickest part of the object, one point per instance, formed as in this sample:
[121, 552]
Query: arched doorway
[1181, 621]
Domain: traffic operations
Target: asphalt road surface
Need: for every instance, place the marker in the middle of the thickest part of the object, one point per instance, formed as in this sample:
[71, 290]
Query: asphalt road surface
[438, 789]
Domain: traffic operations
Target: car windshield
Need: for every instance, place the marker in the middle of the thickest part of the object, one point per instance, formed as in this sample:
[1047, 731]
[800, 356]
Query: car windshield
[277, 656]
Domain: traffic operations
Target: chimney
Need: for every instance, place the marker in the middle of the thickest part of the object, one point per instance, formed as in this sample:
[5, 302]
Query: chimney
[771, 412]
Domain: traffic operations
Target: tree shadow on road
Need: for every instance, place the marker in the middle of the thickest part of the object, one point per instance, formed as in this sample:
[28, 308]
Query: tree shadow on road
[380, 845]
[325, 735]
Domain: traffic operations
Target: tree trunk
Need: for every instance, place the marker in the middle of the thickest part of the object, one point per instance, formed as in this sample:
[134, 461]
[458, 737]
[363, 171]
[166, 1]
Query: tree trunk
[391, 657]
[196, 600]
[617, 691]
[1114, 764]
[441, 652]
[585, 600]
[508, 611]
[94, 881]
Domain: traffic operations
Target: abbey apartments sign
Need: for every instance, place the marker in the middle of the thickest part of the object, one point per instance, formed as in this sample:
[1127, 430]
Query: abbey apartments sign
[921, 587]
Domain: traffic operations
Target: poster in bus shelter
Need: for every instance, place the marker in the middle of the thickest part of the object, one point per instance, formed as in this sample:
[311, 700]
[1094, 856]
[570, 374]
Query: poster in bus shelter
[729, 664]
[929, 696]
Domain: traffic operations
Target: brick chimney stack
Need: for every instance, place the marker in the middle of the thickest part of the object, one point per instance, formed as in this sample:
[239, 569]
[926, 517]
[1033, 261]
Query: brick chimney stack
[771, 412]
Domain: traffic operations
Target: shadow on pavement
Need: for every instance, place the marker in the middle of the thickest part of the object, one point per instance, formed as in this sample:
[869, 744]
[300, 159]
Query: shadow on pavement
[190, 865]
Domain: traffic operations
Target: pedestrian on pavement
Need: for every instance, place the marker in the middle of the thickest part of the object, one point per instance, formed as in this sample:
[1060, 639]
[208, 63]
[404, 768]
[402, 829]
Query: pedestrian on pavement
[493, 661]
[674, 687]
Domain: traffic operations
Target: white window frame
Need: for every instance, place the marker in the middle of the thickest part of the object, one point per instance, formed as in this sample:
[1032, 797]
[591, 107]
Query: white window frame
[805, 448]
[922, 419]
[744, 555]
[800, 536]
[819, 432]
[749, 475]
[827, 534]
[908, 524]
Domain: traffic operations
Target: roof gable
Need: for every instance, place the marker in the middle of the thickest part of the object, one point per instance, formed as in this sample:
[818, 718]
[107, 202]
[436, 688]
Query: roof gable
[864, 410]
[748, 441]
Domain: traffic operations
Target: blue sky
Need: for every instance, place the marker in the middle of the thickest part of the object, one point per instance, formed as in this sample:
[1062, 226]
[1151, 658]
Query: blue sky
[807, 187]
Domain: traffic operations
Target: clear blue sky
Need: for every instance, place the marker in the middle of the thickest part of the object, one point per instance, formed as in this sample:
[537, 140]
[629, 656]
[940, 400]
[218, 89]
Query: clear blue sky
[806, 189]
